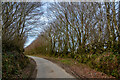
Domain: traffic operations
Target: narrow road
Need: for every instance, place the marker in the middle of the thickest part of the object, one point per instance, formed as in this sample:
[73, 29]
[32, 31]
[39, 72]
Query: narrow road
[47, 69]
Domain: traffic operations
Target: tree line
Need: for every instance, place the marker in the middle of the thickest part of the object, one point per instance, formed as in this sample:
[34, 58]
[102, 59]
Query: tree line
[86, 32]
[15, 25]
[80, 28]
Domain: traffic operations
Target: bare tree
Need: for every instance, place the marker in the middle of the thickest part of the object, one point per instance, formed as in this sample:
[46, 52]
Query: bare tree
[14, 17]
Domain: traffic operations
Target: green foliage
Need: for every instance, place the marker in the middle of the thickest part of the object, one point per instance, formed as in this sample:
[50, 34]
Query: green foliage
[107, 63]
[110, 65]
[13, 63]
[66, 61]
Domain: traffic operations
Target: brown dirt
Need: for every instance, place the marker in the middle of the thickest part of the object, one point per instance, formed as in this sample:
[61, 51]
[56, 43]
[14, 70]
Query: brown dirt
[80, 70]
[30, 72]
[33, 72]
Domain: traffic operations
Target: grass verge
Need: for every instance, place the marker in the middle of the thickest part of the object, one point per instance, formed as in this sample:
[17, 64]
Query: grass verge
[75, 68]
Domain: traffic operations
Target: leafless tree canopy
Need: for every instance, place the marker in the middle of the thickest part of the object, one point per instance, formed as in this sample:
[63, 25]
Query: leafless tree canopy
[86, 32]
[84, 27]
[14, 23]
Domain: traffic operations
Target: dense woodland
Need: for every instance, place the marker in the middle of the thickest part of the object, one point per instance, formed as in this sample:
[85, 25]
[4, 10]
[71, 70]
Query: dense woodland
[86, 32]
[15, 28]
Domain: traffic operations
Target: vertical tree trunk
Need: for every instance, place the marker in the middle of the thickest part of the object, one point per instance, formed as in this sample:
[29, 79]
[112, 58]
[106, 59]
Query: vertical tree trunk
[119, 30]
[108, 24]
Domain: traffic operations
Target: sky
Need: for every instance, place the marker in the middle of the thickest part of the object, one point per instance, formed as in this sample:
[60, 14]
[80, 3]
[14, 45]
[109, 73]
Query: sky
[43, 19]
[41, 23]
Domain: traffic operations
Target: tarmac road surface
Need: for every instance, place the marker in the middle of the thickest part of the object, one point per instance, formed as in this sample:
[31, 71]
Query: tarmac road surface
[47, 69]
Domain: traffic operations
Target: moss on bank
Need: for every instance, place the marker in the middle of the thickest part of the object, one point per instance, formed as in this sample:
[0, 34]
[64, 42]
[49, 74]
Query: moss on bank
[13, 64]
